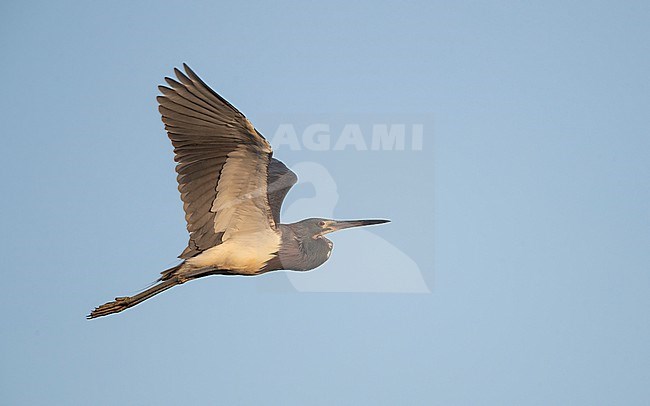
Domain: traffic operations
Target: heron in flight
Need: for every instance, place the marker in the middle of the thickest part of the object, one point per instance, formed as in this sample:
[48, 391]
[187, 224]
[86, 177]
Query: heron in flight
[232, 190]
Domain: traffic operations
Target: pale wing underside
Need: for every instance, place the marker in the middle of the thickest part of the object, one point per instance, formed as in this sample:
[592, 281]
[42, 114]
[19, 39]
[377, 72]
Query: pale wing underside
[222, 163]
[241, 204]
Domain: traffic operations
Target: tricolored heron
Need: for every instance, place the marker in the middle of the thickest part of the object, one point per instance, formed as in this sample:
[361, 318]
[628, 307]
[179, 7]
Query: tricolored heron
[232, 190]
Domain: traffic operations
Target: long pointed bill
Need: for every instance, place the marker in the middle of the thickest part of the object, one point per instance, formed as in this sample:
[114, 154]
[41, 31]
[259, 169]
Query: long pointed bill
[335, 225]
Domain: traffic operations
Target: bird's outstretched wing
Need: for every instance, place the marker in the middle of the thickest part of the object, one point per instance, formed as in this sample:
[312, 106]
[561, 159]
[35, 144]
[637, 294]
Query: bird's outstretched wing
[223, 163]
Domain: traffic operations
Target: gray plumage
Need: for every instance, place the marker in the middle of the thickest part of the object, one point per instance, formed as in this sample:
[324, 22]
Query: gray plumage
[232, 191]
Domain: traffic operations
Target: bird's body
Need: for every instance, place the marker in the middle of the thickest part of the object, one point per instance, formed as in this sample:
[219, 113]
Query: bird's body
[232, 191]
[245, 254]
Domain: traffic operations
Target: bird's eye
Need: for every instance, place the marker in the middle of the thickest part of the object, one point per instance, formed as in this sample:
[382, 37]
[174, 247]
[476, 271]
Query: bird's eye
[321, 223]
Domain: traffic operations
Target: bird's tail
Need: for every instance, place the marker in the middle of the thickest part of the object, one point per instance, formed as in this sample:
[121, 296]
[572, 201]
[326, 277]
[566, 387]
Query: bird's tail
[122, 303]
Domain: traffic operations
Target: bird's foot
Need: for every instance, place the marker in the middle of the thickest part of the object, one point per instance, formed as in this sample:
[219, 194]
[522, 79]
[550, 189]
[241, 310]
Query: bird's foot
[116, 306]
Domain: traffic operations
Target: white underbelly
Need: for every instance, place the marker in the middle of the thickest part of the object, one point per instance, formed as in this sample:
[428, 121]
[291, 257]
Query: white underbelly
[244, 253]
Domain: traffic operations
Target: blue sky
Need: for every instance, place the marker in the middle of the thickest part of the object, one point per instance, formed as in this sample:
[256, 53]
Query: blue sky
[525, 213]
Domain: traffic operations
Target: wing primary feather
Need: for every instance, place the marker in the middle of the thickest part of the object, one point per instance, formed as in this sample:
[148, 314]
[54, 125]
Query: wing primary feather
[186, 99]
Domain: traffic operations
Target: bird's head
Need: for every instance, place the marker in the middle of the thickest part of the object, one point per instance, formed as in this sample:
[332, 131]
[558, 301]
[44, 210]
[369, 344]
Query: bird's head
[317, 227]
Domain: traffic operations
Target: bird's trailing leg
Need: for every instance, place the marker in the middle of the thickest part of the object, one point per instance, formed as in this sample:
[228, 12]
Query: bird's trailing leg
[122, 303]
[172, 277]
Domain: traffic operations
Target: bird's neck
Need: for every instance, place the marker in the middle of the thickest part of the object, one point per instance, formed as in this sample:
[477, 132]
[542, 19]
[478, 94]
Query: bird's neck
[302, 253]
